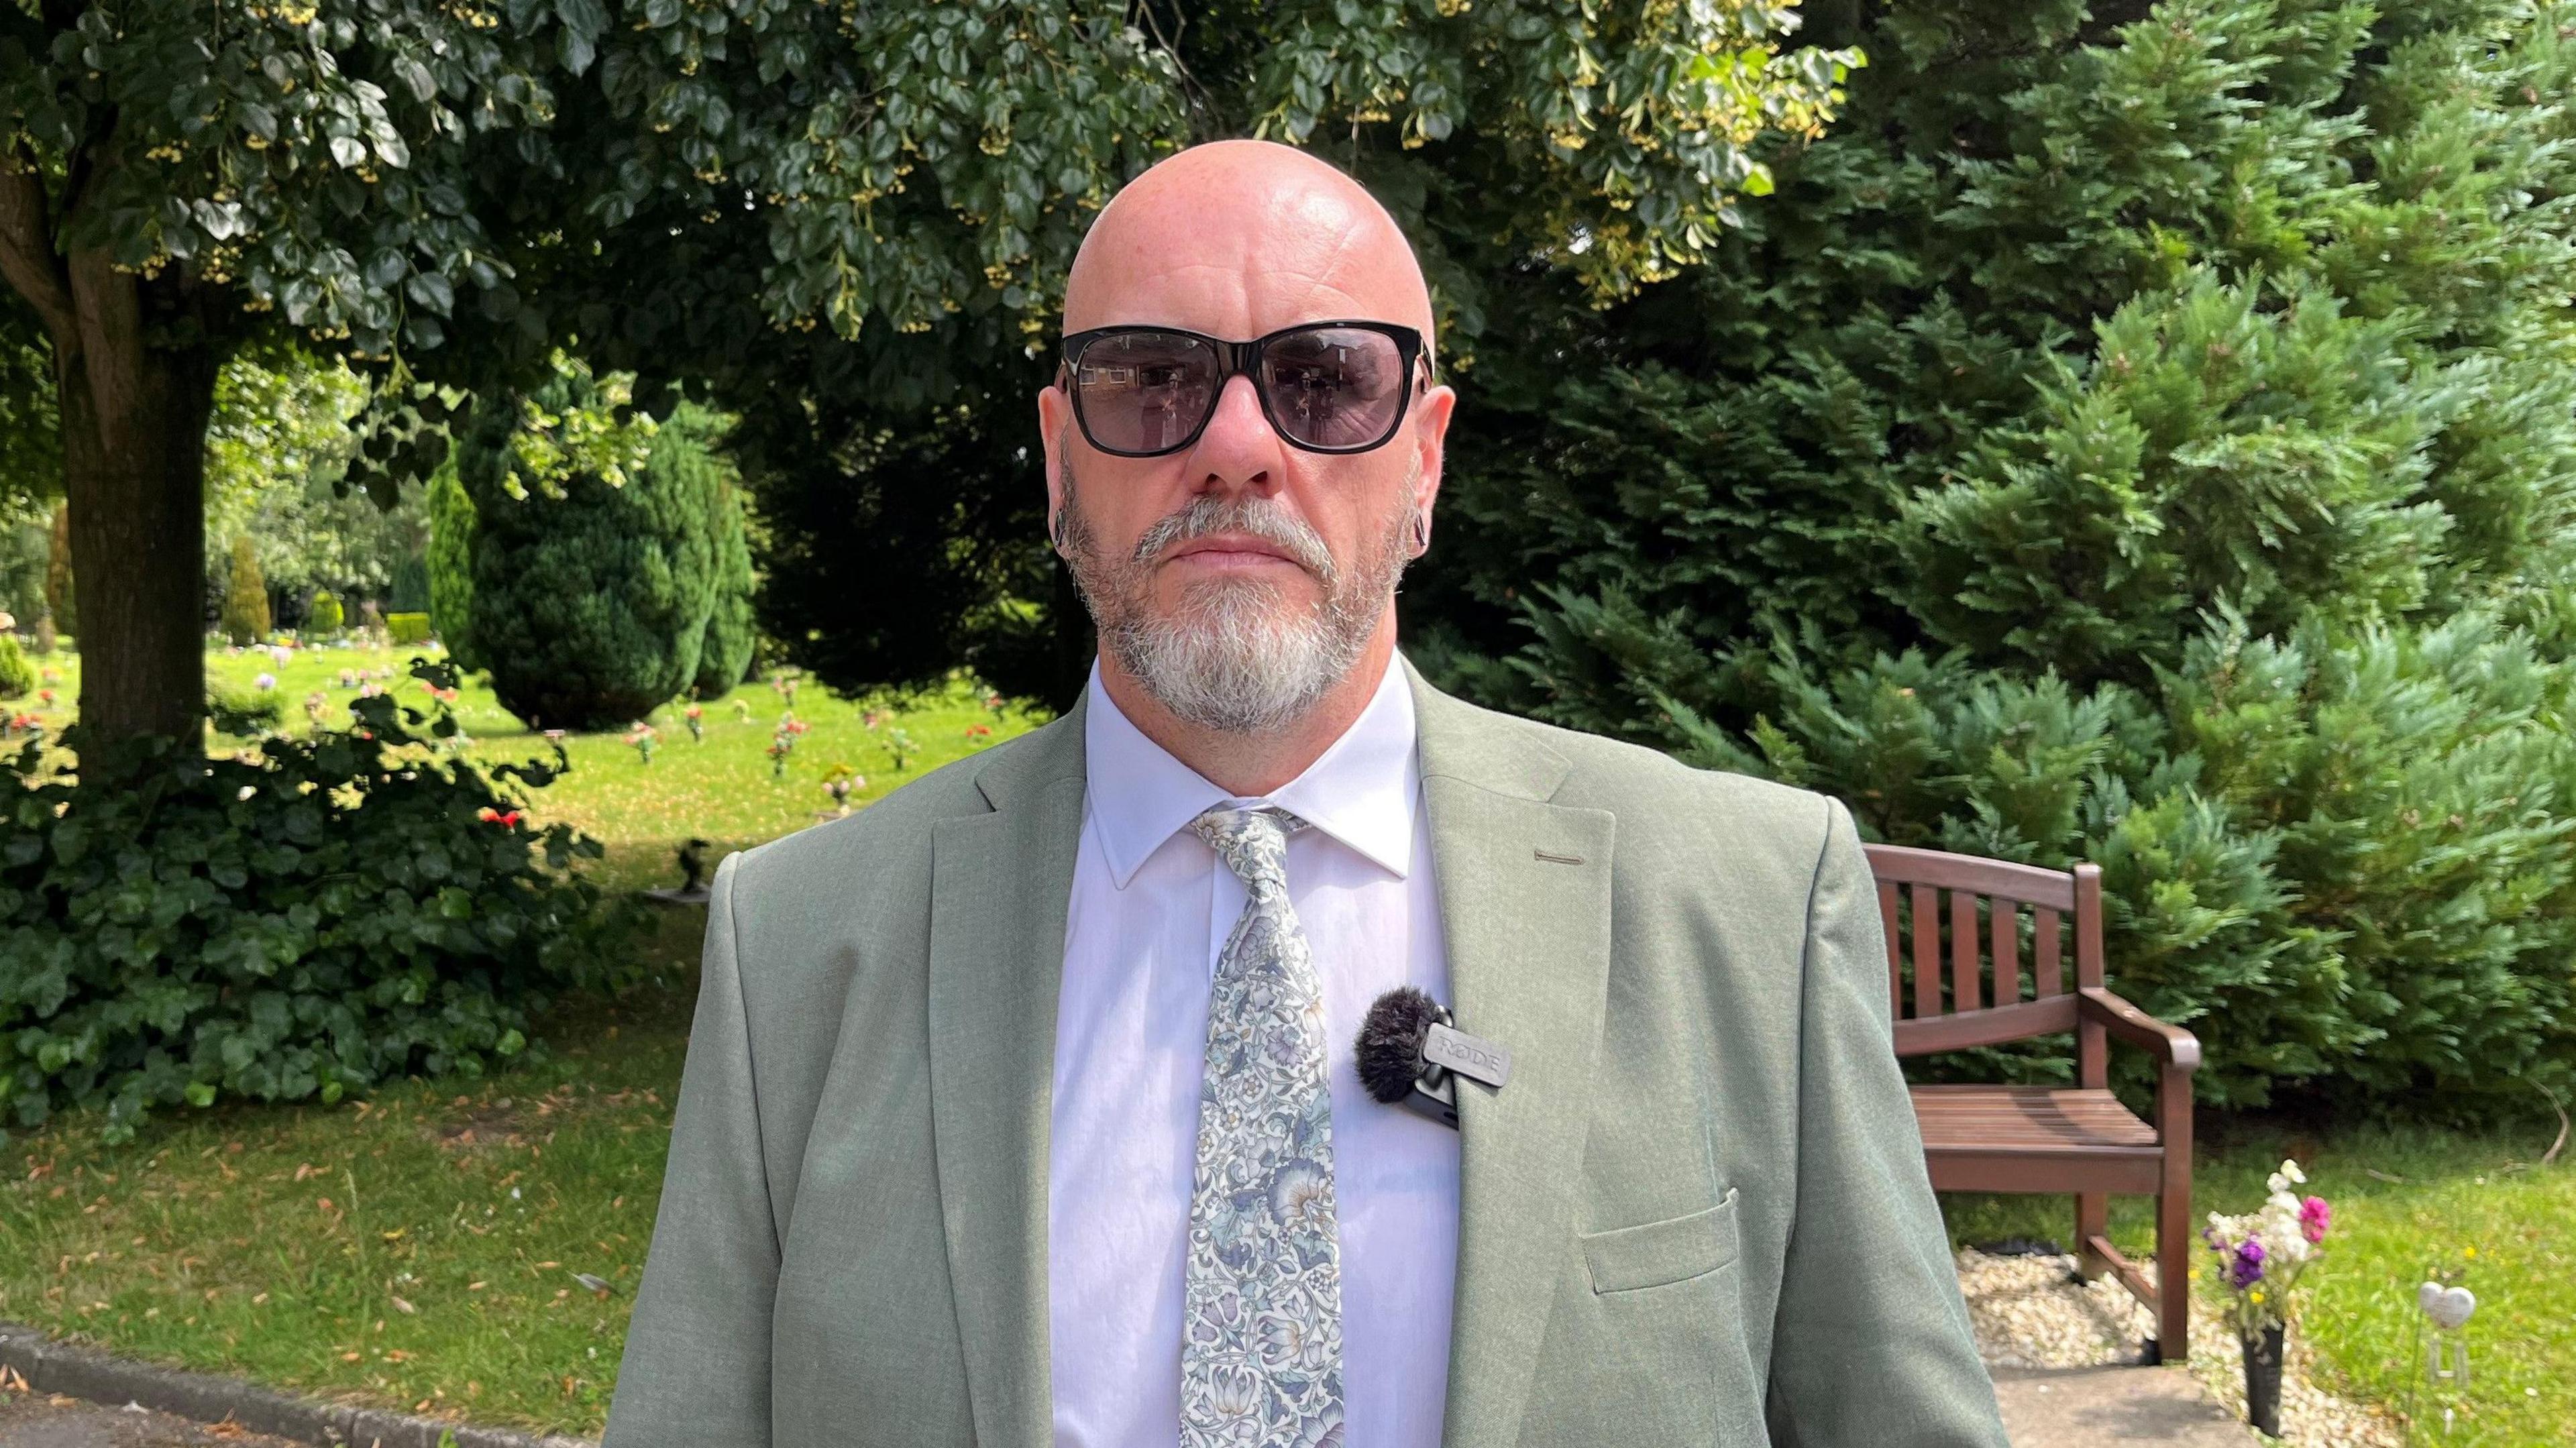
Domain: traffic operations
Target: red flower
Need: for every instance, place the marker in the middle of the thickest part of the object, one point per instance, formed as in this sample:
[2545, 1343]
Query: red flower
[977, 731]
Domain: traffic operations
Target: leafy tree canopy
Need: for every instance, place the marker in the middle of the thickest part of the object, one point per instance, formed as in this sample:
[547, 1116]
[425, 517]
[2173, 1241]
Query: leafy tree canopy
[682, 184]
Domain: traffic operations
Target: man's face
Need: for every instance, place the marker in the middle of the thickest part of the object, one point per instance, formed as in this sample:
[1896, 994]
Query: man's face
[1238, 578]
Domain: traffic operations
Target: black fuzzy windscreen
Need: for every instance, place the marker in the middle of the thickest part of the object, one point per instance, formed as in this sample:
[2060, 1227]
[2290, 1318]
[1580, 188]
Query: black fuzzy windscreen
[1390, 1043]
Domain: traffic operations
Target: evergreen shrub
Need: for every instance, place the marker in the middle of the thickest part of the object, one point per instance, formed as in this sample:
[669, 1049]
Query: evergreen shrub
[406, 628]
[244, 713]
[591, 607]
[2145, 435]
[325, 617]
[245, 618]
[17, 676]
[448, 565]
[410, 591]
[340, 912]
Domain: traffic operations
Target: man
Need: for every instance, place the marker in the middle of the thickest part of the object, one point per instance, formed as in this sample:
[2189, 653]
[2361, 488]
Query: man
[1021, 1107]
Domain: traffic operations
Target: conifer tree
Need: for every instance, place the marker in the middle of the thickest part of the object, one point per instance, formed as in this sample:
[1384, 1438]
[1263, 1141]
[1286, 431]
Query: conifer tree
[2144, 436]
[449, 562]
[245, 617]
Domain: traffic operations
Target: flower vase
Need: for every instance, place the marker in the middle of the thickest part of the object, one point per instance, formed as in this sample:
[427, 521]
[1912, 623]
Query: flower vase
[2263, 1379]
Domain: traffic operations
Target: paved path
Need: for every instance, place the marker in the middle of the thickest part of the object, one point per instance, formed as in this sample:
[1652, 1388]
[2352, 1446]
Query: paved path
[2054, 1407]
[46, 1420]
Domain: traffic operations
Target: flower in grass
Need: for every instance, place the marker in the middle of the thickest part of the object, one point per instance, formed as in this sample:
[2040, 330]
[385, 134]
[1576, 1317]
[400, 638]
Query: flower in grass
[506, 819]
[264, 682]
[979, 731]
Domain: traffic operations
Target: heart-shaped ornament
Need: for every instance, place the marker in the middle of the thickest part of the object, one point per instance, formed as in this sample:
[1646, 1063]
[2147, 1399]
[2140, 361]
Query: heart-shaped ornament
[2447, 1306]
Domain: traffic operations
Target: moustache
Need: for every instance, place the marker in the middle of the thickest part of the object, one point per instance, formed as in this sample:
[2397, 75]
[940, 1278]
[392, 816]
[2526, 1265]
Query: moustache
[1266, 521]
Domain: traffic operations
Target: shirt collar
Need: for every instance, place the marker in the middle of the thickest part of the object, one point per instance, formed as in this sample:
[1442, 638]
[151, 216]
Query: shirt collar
[1361, 790]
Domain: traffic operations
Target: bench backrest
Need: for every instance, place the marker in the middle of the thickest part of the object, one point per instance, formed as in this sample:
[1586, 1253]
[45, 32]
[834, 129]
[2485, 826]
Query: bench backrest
[1983, 925]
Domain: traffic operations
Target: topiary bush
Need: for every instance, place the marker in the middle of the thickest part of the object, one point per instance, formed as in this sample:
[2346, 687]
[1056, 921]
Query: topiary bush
[340, 912]
[325, 617]
[17, 676]
[406, 628]
[592, 593]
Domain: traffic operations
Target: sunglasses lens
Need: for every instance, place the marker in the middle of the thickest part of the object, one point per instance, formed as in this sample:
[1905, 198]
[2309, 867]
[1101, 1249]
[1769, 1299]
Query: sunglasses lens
[1334, 387]
[1144, 392]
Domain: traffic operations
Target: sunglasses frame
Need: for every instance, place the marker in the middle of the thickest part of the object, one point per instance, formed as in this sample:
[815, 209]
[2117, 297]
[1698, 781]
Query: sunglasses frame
[1241, 357]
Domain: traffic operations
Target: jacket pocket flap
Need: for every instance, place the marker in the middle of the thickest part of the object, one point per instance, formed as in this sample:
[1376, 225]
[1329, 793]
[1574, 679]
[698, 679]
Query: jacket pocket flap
[1651, 1254]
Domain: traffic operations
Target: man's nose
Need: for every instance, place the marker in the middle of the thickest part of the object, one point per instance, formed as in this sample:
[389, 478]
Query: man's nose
[1239, 448]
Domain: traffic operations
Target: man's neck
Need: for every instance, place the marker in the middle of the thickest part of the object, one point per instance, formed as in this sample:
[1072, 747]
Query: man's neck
[1251, 764]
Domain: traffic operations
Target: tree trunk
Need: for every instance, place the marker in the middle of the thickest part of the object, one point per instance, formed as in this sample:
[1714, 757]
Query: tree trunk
[134, 472]
[135, 360]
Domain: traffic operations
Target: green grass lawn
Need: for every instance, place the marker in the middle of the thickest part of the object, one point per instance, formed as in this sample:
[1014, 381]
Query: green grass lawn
[419, 1248]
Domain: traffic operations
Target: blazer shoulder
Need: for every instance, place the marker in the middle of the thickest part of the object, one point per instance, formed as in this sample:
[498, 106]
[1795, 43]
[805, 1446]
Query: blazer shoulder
[1631, 779]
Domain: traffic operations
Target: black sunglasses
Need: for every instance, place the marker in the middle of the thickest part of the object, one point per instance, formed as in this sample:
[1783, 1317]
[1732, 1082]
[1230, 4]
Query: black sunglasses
[1327, 387]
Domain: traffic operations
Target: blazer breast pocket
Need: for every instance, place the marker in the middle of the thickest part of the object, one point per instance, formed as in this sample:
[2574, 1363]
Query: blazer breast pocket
[1652, 1254]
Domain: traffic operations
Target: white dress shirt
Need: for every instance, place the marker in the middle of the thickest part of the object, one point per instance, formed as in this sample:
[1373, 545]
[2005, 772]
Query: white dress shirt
[1151, 910]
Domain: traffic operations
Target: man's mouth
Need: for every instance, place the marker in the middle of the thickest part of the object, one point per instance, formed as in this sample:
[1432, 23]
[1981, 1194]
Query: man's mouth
[1231, 551]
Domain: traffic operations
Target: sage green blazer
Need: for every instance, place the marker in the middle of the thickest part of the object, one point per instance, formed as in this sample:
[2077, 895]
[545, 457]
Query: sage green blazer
[1696, 1214]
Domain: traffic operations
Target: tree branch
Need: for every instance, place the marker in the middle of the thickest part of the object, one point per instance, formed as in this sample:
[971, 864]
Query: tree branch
[27, 256]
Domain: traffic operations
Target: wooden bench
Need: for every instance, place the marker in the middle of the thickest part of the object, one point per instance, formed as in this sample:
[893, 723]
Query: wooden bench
[2081, 1140]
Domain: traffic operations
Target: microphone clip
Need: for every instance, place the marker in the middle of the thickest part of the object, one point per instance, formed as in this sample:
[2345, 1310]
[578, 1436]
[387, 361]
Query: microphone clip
[1448, 1053]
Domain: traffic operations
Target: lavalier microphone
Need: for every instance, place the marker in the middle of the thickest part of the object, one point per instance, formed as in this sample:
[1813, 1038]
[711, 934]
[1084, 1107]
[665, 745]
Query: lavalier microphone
[1410, 1056]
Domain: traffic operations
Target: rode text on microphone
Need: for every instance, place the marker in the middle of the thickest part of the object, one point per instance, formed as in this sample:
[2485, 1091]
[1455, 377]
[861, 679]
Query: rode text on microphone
[1411, 1056]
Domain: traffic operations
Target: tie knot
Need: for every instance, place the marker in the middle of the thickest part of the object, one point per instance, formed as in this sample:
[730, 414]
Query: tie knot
[1252, 842]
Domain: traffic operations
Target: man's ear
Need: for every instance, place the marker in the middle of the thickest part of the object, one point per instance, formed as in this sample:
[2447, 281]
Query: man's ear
[1055, 419]
[1431, 434]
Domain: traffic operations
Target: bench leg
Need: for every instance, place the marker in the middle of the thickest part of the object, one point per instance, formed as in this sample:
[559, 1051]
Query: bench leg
[2174, 1239]
[2092, 1219]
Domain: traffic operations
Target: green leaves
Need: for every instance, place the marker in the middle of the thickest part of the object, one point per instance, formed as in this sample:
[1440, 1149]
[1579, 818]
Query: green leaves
[198, 959]
[2129, 443]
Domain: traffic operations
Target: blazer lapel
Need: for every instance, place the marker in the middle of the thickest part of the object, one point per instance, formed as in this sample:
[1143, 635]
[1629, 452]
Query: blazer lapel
[1525, 903]
[1000, 883]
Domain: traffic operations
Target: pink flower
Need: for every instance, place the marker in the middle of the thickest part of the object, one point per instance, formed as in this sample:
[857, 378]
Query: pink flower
[2314, 1215]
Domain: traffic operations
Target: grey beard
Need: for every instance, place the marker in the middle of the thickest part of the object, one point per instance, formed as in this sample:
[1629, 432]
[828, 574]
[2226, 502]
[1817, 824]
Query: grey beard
[1227, 659]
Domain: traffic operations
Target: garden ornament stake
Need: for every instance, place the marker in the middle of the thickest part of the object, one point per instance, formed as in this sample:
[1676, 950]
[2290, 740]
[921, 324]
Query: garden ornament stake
[2448, 1306]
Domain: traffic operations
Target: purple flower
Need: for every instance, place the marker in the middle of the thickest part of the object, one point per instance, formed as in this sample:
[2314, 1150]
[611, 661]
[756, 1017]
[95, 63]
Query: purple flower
[2248, 1266]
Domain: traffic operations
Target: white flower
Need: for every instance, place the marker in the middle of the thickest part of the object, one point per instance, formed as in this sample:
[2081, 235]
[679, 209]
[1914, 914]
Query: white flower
[2291, 1170]
[265, 682]
[247, 791]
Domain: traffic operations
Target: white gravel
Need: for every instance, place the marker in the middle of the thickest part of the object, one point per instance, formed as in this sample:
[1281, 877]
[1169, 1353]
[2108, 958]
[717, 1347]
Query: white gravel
[2034, 1312]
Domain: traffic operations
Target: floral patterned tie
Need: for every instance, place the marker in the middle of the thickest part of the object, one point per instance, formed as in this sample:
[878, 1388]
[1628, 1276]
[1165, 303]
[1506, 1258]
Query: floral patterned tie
[1261, 1314]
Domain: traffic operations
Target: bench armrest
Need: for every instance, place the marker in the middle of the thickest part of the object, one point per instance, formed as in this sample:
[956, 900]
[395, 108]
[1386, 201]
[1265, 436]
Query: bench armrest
[2172, 1044]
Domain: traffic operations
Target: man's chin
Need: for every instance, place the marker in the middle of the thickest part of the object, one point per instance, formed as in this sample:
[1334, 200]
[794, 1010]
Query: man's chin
[1250, 601]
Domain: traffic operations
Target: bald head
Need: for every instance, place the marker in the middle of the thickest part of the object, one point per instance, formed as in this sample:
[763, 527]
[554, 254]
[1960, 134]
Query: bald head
[1241, 238]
